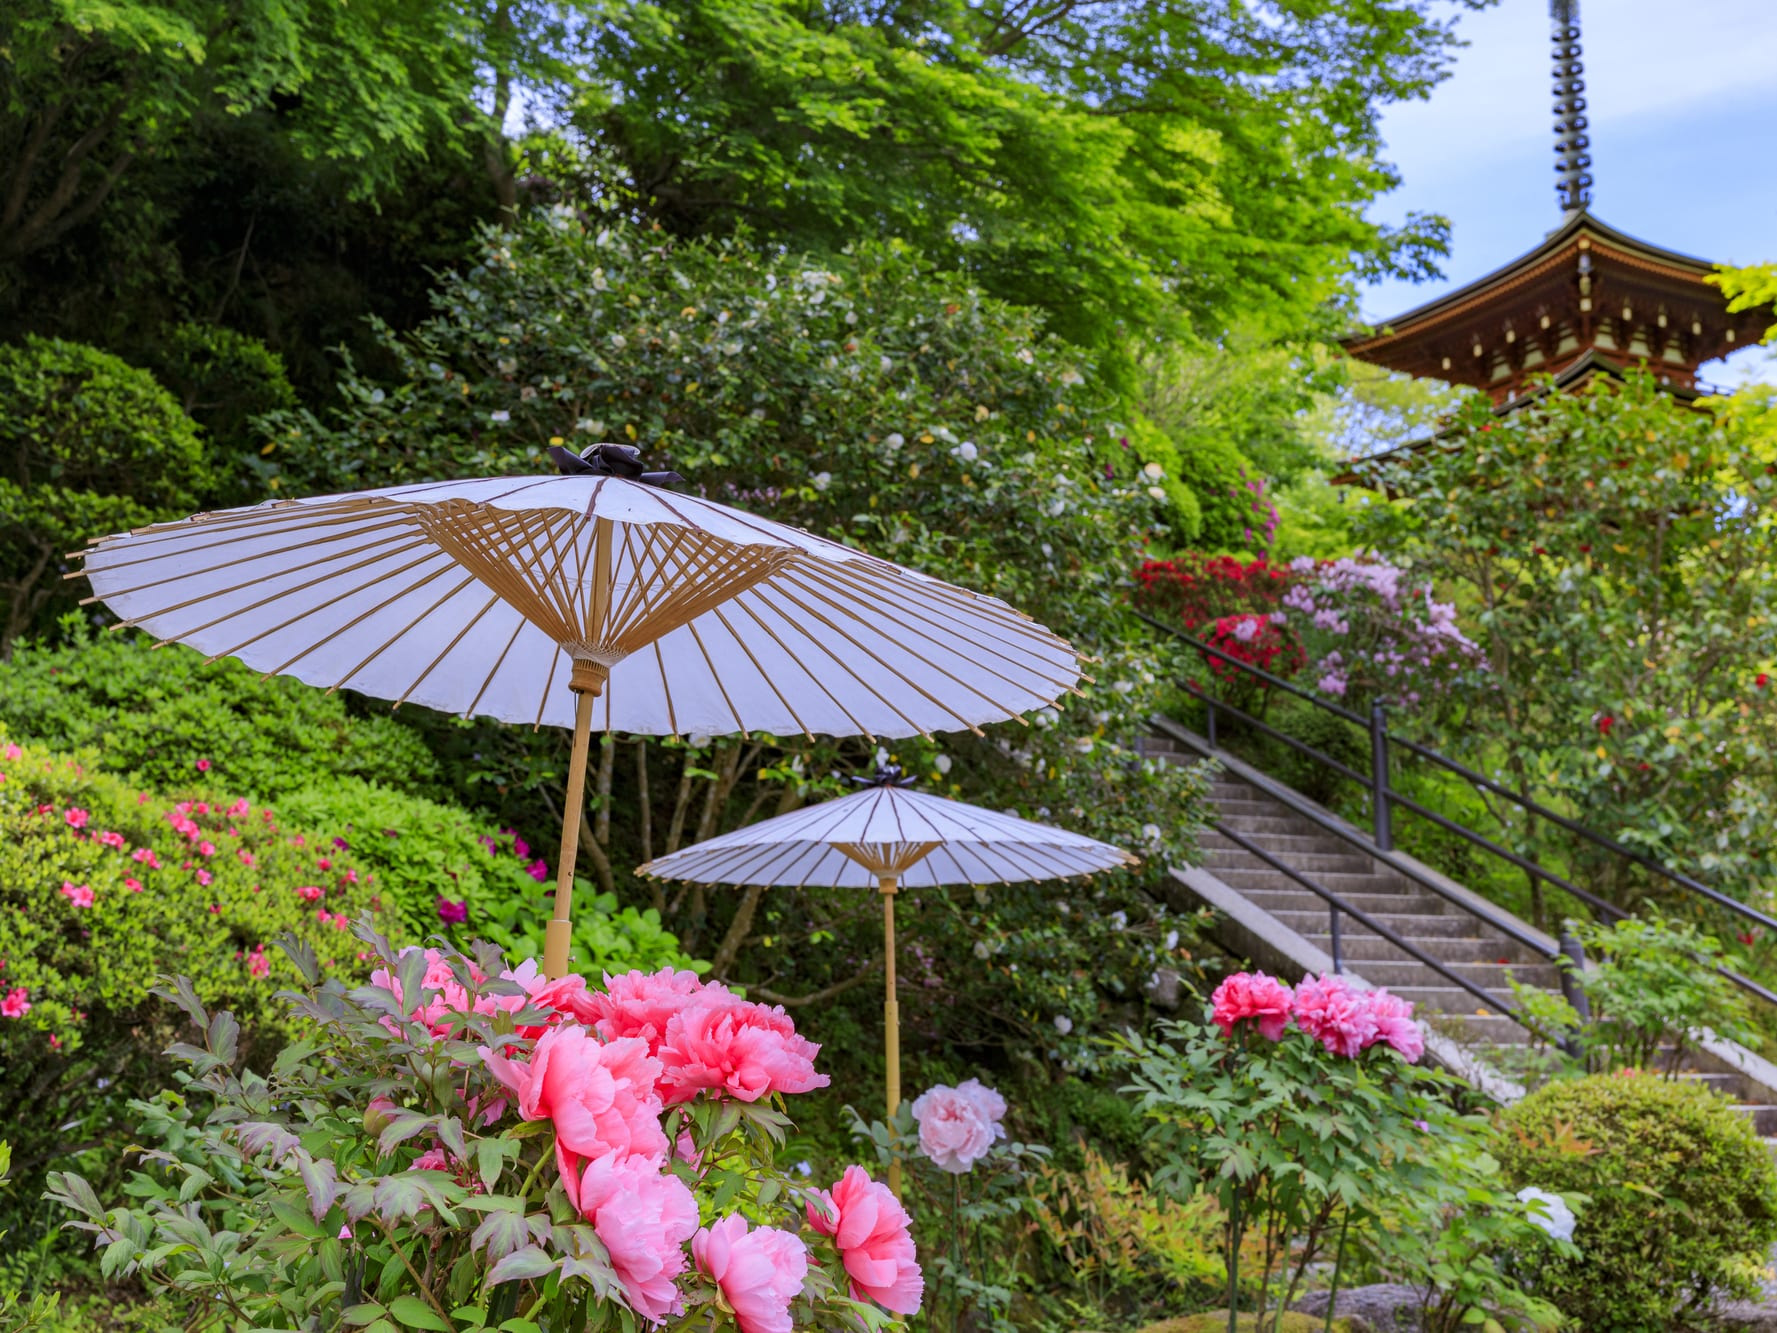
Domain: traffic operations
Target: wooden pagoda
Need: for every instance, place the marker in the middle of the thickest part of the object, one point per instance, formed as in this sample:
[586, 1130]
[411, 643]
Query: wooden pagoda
[1589, 299]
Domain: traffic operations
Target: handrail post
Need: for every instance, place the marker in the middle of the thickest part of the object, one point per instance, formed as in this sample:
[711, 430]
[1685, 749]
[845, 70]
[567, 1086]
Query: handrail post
[1379, 776]
[1209, 720]
[1571, 990]
[1338, 958]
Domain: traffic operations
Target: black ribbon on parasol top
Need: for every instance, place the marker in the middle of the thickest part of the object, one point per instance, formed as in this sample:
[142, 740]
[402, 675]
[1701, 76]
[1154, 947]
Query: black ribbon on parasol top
[609, 460]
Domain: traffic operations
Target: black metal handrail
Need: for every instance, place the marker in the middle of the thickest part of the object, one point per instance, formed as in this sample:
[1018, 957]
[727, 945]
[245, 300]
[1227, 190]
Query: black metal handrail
[1337, 904]
[1383, 799]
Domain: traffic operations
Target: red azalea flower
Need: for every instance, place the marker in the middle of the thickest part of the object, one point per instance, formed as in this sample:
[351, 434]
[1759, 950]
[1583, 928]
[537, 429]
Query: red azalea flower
[1605, 723]
[1762, 681]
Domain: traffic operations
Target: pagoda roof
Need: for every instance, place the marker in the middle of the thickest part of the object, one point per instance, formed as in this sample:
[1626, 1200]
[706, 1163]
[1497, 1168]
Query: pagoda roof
[1587, 288]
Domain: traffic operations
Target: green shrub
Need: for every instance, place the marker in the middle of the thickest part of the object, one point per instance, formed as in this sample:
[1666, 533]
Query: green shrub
[489, 885]
[1683, 1197]
[103, 890]
[88, 445]
[223, 379]
[152, 714]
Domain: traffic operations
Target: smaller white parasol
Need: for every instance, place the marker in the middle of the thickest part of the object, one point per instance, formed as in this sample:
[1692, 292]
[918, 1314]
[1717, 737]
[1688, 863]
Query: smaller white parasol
[887, 838]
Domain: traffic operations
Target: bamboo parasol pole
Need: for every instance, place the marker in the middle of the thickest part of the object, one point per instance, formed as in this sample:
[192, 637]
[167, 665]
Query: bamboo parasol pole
[891, 1016]
[587, 683]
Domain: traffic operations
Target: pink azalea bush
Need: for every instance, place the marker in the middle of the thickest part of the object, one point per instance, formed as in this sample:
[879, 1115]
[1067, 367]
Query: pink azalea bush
[570, 1155]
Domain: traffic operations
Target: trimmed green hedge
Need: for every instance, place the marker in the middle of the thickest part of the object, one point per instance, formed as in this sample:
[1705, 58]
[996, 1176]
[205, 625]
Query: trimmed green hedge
[155, 715]
[1683, 1196]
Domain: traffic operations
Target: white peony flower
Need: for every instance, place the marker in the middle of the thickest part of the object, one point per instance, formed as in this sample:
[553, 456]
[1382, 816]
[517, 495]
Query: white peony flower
[1554, 1217]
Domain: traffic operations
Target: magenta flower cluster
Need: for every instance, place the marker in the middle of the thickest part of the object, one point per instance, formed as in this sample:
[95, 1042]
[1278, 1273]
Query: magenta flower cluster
[1343, 1019]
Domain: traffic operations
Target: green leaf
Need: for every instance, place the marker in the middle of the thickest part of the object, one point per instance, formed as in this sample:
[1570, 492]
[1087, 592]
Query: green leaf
[415, 1313]
[520, 1265]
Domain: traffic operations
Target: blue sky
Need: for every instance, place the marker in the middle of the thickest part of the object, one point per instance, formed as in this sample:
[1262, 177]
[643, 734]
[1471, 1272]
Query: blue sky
[1683, 104]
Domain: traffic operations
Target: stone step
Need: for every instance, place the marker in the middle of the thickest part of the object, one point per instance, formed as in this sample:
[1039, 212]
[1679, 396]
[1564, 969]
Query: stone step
[1477, 1030]
[1452, 925]
[1764, 1119]
[1256, 874]
[1405, 971]
[1254, 804]
[1729, 1085]
[1247, 825]
[1309, 863]
[1359, 946]
[1283, 845]
[1287, 897]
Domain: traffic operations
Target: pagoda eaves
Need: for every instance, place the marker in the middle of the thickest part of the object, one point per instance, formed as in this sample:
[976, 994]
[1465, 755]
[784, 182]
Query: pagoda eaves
[1588, 295]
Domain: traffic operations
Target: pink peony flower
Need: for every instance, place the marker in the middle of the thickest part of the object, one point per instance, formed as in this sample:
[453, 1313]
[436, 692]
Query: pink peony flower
[991, 1104]
[565, 997]
[641, 1004]
[520, 848]
[1335, 1015]
[870, 1229]
[538, 870]
[955, 1129]
[643, 1216]
[453, 913]
[78, 894]
[600, 1097]
[738, 1048]
[759, 1272]
[685, 1150]
[76, 817]
[18, 1000]
[1253, 995]
[433, 1159]
[1394, 1024]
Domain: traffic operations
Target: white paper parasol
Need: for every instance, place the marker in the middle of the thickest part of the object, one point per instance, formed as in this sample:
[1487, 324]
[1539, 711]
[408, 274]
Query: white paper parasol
[888, 838]
[590, 599]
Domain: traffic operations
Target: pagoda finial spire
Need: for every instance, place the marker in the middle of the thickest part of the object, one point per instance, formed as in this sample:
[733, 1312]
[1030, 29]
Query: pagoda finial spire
[1574, 184]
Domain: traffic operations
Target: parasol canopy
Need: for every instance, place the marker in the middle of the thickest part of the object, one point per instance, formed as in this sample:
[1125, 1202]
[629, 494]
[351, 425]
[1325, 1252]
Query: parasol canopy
[592, 598]
[925, 841]
[477, 597]
[888, 838]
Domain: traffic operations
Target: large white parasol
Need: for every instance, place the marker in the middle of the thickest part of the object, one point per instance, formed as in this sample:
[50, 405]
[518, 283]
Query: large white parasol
[888, 838]
[656, 612]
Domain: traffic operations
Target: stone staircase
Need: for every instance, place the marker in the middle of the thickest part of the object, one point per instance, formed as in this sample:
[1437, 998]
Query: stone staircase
[1267, 918]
